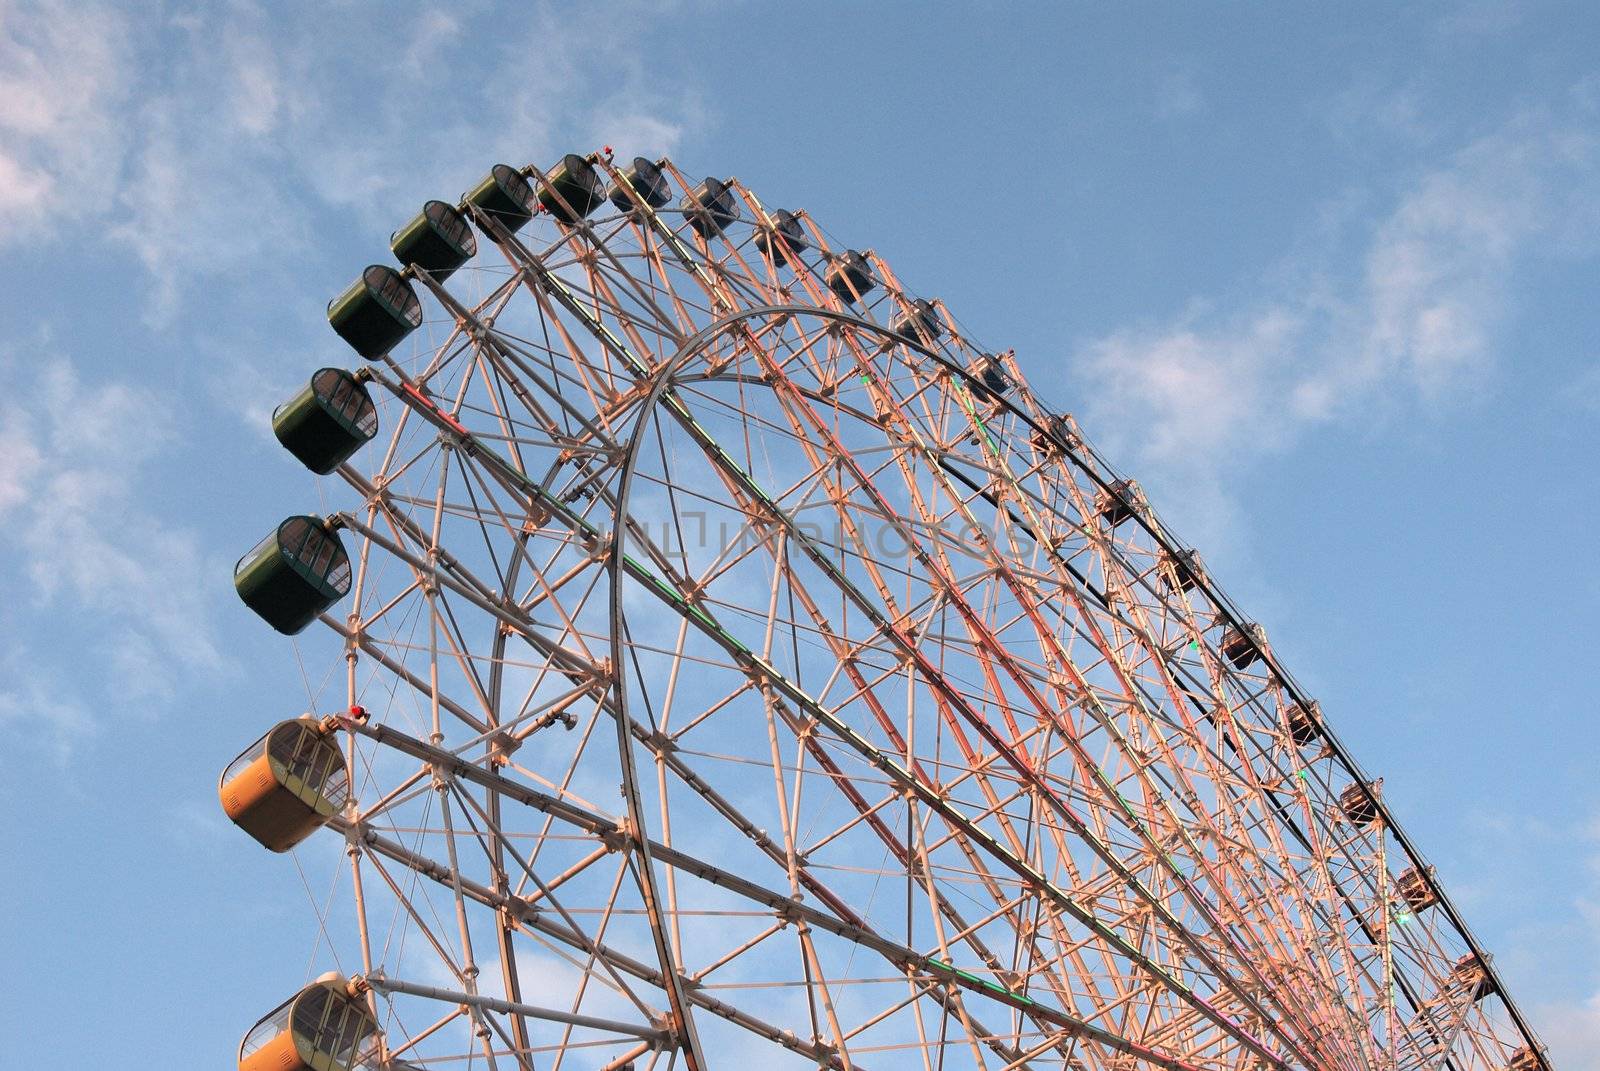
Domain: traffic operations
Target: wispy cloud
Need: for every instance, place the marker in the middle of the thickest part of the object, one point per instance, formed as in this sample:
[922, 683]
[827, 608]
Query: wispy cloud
[1572, 1030]
[1585, 391]
[84, 553]
[228, 152]
[1178, 93]
[302, 143]
[1192, 400]
[36, 713]
[223, 143]
[64, 76]
[1571, 1027]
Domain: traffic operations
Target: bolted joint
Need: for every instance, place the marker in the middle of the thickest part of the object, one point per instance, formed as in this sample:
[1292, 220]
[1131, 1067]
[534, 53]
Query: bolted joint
[502, 746]
[618, 838]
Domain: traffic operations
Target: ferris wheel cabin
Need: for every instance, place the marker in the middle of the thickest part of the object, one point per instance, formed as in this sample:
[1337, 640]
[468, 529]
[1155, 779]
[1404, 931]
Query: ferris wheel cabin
[1471, 978]
[1527, 1059]
[505, 196]
[647, 181]
[991, 375]
[1359, 802]
[1183, 569]
[710, 207]
[849, 277]
[1242, 646]
[294, 574]
[572, 189]
[377, 311]
[919, 321]
[783, 243]
[1119, 502]
[438, 240]
[321, 1028]
[285, 786]
[329, 420]
[1305, 722]
[1057, 431]
[1414, 888]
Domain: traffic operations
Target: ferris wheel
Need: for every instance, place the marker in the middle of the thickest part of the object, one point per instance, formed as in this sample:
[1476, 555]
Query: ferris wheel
[718, 659]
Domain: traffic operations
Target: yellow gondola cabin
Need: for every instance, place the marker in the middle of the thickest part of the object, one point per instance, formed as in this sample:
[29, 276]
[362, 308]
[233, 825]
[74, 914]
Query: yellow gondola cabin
[286, 785]
[324, 1027]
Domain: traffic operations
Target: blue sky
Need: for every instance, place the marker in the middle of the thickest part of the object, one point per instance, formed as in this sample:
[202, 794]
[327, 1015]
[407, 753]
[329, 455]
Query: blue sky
[1323, 281]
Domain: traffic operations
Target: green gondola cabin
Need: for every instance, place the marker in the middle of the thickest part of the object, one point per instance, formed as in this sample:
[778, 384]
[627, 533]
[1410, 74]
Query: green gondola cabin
[286, 785]
[505, 196]
[438, 240]
[849, 277]
[710, 207]
[294, 574]
[784, 241]
[324, 1027]
[919, 322]
[572, 189]
[377, 312]
[645, 180]
[331, 418]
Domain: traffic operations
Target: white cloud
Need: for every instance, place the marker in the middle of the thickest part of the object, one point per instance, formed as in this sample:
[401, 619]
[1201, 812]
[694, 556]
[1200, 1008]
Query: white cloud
[218, 143]
[1571, 1028]
[85, 554]
[633, 133]
[1572, 1031]
[1205, 387]
[36, 713]
[1192, 401]
[1584, 390]
[1541, 875]
[1178, 94]
[432, 33]
[63, 73]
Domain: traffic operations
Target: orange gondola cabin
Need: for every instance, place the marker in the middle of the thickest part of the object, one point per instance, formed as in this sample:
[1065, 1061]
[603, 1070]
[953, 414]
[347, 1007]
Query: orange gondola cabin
[1359, 802]
[324, 1027]
[286, 785]
[1304, 721]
